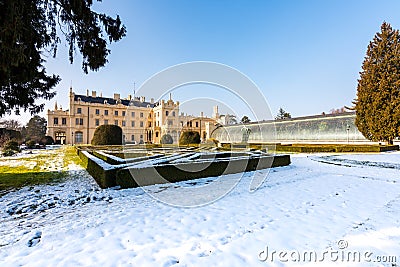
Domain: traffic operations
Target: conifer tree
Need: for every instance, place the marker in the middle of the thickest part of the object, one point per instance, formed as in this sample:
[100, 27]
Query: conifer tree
[282, 114]
[30, 32]
[378, 92]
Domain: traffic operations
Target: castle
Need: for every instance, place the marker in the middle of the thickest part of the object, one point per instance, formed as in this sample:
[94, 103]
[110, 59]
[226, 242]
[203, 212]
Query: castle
[141, 121]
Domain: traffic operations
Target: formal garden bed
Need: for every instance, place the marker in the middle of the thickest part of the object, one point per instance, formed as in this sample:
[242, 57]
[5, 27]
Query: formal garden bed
[155, 166]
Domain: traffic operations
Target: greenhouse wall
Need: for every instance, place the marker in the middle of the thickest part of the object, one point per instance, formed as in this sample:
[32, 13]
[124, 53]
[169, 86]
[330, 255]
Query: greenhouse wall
[332, 128]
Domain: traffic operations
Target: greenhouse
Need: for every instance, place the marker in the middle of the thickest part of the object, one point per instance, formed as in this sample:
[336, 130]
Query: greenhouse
[331, 128]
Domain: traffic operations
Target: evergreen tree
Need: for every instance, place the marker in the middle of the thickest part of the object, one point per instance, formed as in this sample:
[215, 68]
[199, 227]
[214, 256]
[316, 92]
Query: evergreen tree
[378, 96]
[245, 119]
[29, 33]
[36, 128]
[282, 114]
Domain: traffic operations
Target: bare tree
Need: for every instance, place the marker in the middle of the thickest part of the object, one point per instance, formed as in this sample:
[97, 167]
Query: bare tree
[10, 125]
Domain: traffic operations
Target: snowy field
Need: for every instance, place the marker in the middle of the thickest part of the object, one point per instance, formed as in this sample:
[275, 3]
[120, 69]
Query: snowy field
[336, 210]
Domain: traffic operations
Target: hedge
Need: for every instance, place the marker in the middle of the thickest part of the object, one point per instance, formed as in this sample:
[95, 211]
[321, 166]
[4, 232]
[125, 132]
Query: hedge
[189, 137]
[107, 135]
[103, 174]
[170, 173]
[166, 139]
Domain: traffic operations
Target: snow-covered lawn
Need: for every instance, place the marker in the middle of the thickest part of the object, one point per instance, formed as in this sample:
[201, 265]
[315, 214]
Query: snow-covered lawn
[311, 207]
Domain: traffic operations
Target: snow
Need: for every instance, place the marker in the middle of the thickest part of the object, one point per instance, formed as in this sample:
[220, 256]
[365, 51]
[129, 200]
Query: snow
[309, 206]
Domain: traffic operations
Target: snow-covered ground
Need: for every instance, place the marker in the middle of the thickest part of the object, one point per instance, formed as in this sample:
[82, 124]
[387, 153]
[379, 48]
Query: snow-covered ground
[323, 206]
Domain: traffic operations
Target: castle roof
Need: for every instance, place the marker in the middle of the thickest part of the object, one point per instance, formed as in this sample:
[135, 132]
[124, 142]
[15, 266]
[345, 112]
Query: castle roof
[111, 101]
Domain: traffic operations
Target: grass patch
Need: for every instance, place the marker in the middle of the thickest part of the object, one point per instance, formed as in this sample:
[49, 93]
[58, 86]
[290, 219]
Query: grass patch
[71, 157]
[36, 169]
[10, 181]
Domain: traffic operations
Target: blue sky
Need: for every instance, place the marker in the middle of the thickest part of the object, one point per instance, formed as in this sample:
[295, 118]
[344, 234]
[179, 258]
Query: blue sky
[305, 56]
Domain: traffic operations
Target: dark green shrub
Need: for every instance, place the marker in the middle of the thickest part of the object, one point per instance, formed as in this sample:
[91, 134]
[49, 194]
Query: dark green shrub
[107, 135]
[166, 139]
[189, 137]
[6, 134]
[11, 145]
[31, 144]
[47, 140]
[8, 152]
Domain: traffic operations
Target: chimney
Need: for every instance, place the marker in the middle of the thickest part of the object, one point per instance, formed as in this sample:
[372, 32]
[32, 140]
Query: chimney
[87, 92]
[129, 97]
[216, 113]
[142, 99]
[152, 100]
[93, 93]
[201, 114]
[117, 96]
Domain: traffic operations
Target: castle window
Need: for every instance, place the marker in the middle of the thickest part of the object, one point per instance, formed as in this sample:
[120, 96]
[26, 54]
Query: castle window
[106, 112]
[123, 123]
[141, 114]
[141, 124]
[64, 121]
[116, 122]
[97, 111]
[133, 124]
[133, 114]
[166, 113]
[132, 137]
[105, 122]
[55, 121]
[173, 113]
[116, 113]
[79, 111]
[197, 124]
[123, 113]
[78, 137]
[97, 122]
